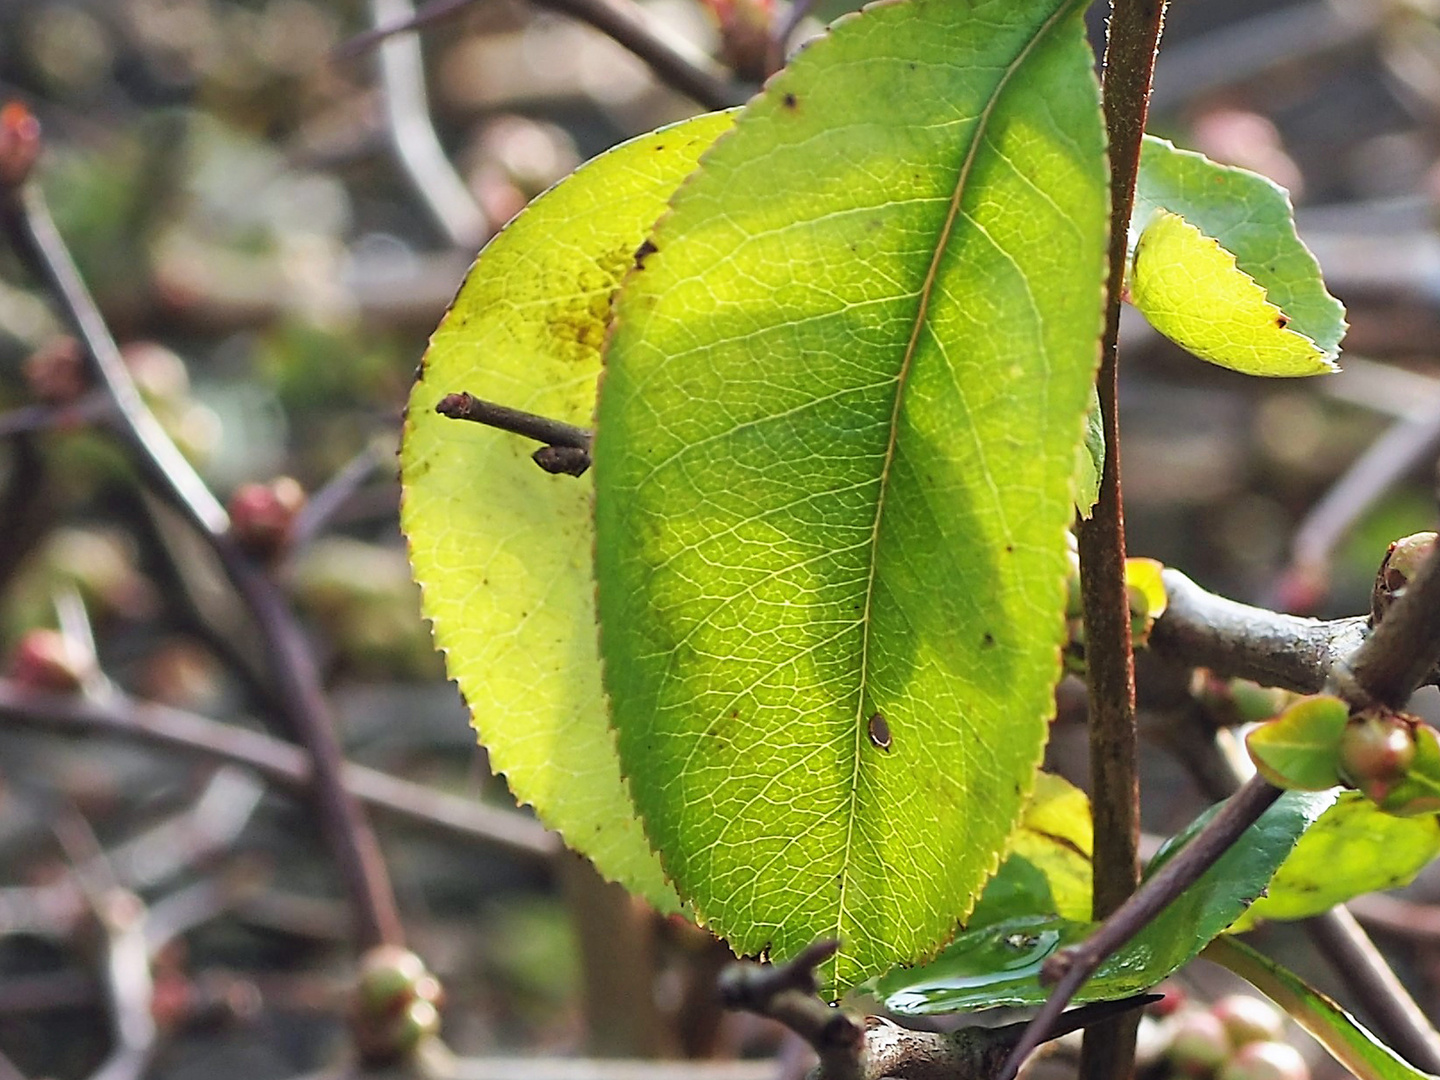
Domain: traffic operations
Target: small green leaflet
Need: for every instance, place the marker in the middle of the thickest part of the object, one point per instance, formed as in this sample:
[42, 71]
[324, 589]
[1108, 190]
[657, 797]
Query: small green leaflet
[1354, 848]
[1217, 267]
[1300, 748]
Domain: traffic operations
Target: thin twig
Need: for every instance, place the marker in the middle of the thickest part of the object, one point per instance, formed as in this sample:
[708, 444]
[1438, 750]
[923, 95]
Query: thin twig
[785, 28]
[26, 220]
[1387, 461]
[463, 406]
[566, 449]
[1400, 1021]
[788, 993]
[1417, 924]
[323, 504]
[27, 223]
[621, 20]
[280, 762]
[1134, 35]
[90, 407]
[1072, 967]
[412, 133]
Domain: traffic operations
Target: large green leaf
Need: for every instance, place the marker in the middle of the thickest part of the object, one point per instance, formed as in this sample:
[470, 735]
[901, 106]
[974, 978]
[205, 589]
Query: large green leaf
[835, 447]
[501, 549]
[1335, 1029]
[1354, 848]
[1000, 964]
[1219, 268]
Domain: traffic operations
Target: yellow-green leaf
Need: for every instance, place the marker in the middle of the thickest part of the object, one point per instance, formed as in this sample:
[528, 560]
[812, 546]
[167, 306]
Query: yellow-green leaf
[503, 550]
[1191, 290]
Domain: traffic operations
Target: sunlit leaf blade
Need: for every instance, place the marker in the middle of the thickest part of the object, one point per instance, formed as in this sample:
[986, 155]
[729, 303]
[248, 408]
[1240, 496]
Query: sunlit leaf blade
[1048, 868]
[836, 440]
[1354, 848]
[1000, 964]
[1335, 1029]
[501, 549]
[1251, 218]
[1300, 748]
[1190, 289]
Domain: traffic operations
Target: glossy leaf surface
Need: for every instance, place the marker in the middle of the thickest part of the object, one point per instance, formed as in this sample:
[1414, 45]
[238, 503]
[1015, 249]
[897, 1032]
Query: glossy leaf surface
[1230, 281]
[835, 448]
[1000, 964]
[503, 550]
[1354, 848]
[1300, 748]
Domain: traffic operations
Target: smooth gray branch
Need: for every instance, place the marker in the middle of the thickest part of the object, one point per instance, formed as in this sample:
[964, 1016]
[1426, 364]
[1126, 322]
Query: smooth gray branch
[1235, 640]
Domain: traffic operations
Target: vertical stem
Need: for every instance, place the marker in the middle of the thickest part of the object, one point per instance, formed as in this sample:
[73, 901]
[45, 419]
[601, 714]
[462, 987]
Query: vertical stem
[1134, 34]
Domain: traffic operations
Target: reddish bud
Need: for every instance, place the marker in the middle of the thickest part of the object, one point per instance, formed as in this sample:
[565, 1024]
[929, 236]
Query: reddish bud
[1376, 751]
[19, 143]
[261, 515]
[1247, 1019]
[389, 978]
[44, 660]
[1266, 1061]
[1172, 999]
[396, 1002]
[745, 32]
[1199, 1045]
[55, 372]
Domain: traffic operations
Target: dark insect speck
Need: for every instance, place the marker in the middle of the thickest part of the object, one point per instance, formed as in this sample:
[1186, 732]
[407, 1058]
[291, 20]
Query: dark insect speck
[789, 101]
[880, 732]
[1281, 321]
[644, 251]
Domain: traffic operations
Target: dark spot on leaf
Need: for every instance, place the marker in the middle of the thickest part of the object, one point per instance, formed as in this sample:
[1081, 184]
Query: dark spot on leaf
[987, 641]
[735, 714]
[789, 101]
[1009, 549]
[911, 65]
[1281, 321]
[643, 252]
[879, 730]
[660, 146]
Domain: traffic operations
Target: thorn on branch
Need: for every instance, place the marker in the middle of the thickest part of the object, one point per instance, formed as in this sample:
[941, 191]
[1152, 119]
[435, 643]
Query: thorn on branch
[566, 449]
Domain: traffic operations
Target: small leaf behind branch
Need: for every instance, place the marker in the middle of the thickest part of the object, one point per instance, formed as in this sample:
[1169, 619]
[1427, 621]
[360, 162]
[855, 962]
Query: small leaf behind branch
[1249, 217]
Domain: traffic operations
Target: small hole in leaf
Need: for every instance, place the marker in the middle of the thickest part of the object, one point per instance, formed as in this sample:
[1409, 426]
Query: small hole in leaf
[880, 732]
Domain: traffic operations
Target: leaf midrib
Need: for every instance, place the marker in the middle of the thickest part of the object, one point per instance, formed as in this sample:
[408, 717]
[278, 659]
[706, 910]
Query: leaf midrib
[927, 288]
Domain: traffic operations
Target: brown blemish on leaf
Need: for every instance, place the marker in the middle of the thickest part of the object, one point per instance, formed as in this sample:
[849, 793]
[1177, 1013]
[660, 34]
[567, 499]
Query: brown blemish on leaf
[790, 101]
[879, 731]
[643, 252]
[1281, 321]
[577, 317]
